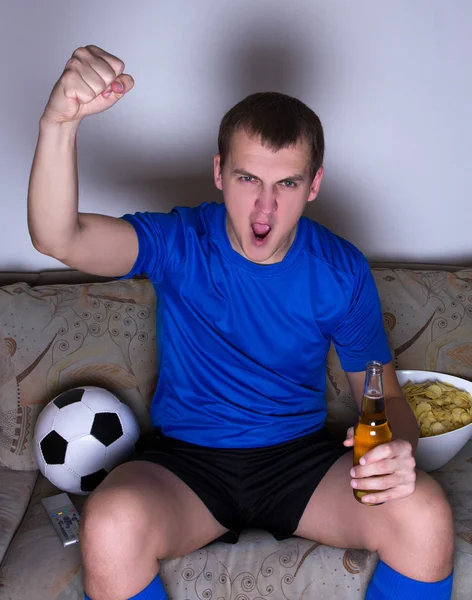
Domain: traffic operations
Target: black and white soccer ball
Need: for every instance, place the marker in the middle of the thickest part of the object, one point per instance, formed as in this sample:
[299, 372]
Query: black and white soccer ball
[81, 435]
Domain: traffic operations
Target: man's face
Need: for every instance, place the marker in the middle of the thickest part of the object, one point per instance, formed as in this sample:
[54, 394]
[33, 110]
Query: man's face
[265, 193]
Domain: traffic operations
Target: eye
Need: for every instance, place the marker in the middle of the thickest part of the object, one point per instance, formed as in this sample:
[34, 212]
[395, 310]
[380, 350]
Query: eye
[246, 178]
[289, 184]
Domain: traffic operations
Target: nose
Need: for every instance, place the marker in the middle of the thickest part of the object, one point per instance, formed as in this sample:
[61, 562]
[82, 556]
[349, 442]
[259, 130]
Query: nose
[266, 201]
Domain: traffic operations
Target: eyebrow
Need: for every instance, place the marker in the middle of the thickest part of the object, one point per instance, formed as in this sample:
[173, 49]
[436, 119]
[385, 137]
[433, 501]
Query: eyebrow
[244, 173]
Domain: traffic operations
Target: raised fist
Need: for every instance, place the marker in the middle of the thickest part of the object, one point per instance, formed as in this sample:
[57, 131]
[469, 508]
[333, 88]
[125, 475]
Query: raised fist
[92, 82]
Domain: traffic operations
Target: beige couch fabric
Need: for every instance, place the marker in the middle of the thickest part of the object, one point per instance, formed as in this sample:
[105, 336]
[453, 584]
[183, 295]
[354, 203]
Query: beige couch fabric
[37, 566]
[57, 337]
[16, 488]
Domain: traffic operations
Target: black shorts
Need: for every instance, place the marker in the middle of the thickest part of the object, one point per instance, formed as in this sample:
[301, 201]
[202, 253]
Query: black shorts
[265, 488]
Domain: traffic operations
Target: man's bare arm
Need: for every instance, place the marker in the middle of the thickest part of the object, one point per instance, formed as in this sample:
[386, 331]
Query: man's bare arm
[92, 82]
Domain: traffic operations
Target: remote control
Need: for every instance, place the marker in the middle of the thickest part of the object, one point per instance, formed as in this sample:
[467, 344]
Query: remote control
[64, 517]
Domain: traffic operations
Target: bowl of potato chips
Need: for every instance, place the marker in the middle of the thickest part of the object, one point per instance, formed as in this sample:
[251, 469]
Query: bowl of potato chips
[443, 408]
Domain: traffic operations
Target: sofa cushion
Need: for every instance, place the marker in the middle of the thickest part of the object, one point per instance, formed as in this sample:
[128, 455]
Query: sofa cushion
[16, 488]
[57, 337]
[37, 566]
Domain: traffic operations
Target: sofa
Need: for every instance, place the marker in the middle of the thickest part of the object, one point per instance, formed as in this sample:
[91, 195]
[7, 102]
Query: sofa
[57, 336]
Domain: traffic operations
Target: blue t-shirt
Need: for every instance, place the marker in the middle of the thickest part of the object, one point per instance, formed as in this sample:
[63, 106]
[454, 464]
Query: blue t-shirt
[242, 347]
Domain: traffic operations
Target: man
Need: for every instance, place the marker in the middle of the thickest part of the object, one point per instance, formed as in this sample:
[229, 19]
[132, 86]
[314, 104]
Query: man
[250, 296]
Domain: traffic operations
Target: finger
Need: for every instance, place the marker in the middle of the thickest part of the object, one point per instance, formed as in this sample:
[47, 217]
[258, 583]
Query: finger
[389, 450]
[384, 482]
[125, 81]
[94, 70]
[76, 74]
[102, 60]
[119, 87]
[104, 70]
[93, 79]
[386, 466]
[397, 493]
[75, 88]
[349, 441]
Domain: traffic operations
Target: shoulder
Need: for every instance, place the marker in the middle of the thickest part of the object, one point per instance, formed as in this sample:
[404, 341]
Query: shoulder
[180, 221]
[332, 252]
[196, 215]
[190, 217]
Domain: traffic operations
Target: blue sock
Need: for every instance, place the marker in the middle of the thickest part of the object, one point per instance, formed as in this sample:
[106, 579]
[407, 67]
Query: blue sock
[154, 591]
[387, 584]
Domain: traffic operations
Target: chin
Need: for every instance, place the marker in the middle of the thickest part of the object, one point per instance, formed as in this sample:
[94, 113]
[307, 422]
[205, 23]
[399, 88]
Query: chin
[261, 252]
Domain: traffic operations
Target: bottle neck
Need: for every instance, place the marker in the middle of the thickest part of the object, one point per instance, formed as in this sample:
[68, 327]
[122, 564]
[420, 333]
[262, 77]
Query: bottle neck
[373, 402]
[373, 407]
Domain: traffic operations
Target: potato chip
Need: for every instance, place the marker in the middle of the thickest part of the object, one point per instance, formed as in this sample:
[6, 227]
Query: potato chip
[437, 428]
[447, 424]
[426, 425]
[422, 407]
[466, 418]
[433, 391]
[439, 407]
[425, 415]
[457, 414]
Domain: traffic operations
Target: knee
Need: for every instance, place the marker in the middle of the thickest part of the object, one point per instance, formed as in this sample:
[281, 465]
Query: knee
[109, 522]
[114, 522]
[430, 506]
[426, 516]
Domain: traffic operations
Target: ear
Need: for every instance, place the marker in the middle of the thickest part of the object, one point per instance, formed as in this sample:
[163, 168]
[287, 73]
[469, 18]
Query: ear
[315, 184]
[218, 176]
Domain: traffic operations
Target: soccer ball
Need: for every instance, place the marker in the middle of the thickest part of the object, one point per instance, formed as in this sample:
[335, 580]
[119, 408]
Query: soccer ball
[81, 435]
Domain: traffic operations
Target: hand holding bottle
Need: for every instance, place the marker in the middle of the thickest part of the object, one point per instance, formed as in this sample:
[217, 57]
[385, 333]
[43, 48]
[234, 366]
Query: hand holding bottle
[384, 469]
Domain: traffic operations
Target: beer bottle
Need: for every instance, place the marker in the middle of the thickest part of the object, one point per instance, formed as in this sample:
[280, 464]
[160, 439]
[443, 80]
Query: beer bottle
[373, 427]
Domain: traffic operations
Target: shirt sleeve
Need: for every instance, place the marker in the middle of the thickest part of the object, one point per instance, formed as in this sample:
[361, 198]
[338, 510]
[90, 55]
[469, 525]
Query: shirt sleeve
[161, 243]
[361, 337]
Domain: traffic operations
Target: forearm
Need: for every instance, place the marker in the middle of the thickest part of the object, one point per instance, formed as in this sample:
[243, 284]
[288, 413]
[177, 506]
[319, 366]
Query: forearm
[402, 419]
[53, 189]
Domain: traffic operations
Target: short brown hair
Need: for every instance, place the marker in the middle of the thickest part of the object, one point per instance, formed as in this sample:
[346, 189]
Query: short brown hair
[279, 120]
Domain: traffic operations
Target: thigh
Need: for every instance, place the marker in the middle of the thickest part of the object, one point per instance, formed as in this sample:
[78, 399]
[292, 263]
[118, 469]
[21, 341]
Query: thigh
[333, 516]
[165, 513]
[405, 532]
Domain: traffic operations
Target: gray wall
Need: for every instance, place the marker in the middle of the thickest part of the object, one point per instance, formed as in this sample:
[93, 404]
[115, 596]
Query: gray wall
[391, 82]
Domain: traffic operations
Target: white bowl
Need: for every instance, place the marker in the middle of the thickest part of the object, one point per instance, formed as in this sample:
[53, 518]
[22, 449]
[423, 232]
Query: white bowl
[435, 451]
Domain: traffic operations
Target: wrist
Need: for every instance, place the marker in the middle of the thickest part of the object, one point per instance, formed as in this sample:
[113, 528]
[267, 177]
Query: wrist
[48, 126]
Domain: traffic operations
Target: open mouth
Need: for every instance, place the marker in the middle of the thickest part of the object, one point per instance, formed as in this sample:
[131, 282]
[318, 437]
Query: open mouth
[261, 231]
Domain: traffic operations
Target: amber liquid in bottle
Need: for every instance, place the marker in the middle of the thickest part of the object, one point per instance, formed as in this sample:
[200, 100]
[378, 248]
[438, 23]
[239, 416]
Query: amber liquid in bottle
[373, 427]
